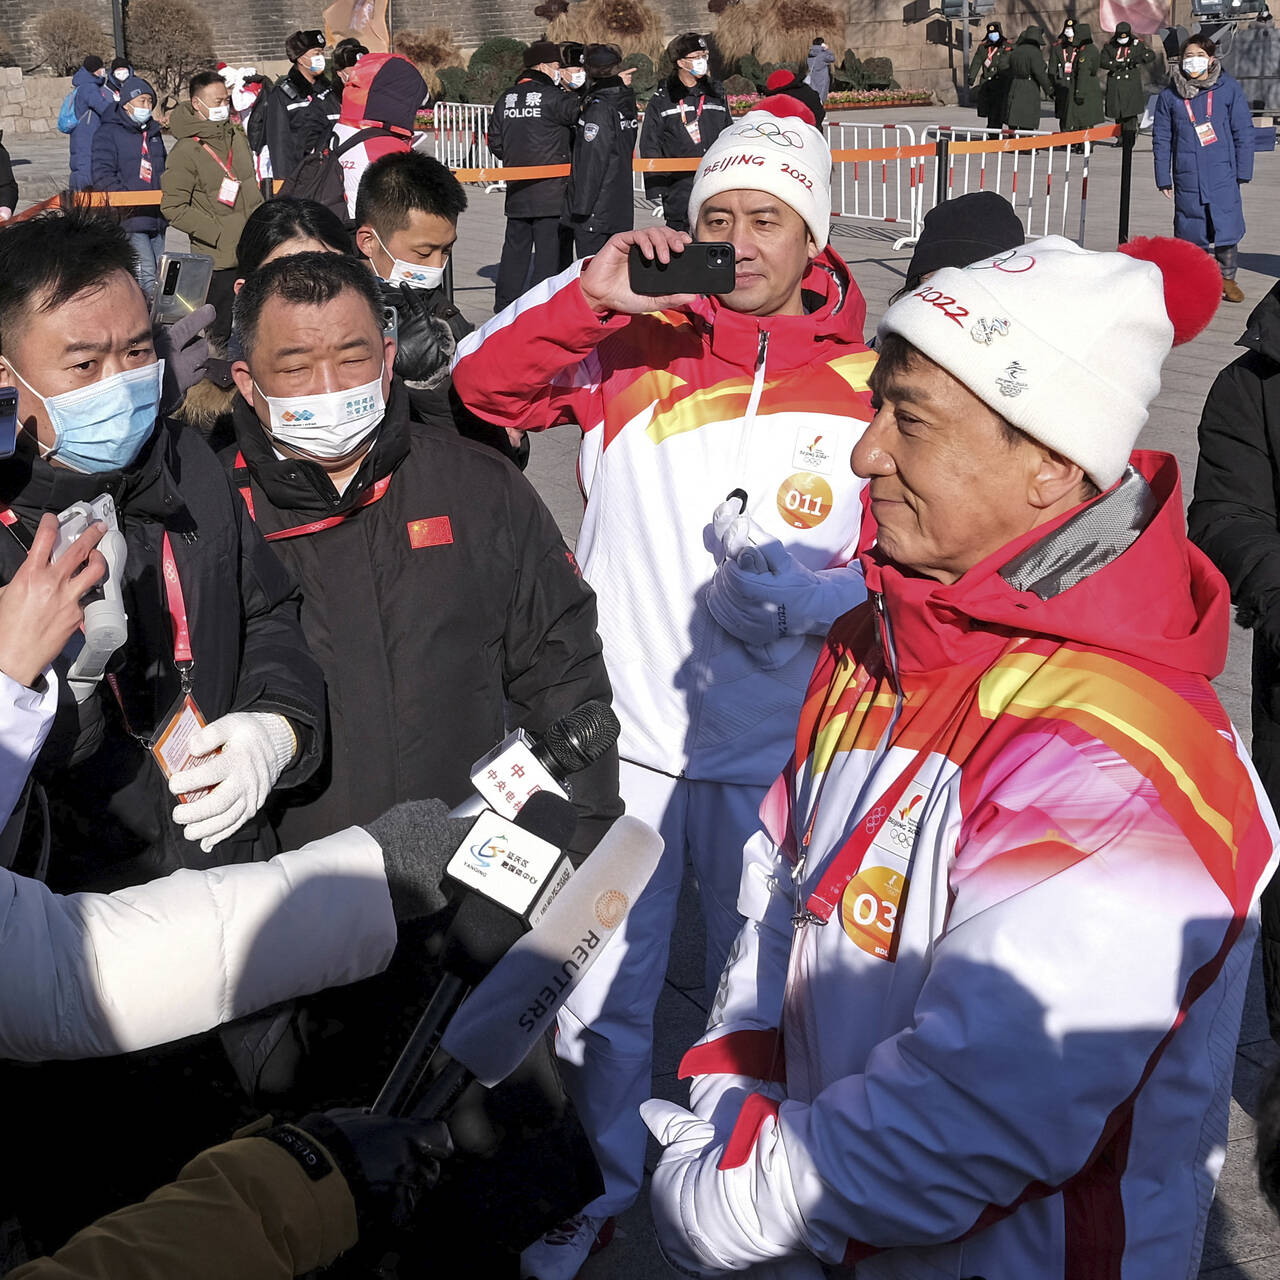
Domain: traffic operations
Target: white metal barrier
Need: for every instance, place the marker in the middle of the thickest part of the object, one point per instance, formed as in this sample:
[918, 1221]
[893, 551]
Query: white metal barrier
[1042, 184]
[460, 135]
[874, 190]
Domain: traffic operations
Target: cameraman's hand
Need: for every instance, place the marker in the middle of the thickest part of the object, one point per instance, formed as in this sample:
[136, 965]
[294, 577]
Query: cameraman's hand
[606, 285]
[41, 607]
[389, 1162]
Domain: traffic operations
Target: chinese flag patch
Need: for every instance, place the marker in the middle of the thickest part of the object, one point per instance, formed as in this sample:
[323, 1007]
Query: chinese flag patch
[434, 531]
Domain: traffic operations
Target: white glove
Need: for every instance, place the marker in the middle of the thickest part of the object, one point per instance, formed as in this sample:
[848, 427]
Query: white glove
[253, 749]
[782, 598]
[709, 1220]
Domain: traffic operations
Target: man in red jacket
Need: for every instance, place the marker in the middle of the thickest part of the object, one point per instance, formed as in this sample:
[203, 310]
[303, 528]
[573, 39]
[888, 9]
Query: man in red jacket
[710, 625]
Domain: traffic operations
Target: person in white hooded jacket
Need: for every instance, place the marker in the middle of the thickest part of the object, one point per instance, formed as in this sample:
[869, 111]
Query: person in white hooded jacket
[92, 974]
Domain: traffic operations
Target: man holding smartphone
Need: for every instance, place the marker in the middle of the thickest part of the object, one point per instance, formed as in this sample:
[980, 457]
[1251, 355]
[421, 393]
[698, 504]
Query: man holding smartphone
[682, 398]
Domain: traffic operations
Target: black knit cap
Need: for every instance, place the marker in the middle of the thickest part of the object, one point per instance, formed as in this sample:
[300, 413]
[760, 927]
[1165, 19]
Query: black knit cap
[960, 232]
[92, 64]
[298, 43]
[686, 46]
[571, 53]
[541, 51]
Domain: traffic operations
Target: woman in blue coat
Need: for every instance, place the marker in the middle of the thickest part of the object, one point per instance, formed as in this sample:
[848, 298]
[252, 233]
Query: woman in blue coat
[129, 155]
[1202, 141]
[93, 101]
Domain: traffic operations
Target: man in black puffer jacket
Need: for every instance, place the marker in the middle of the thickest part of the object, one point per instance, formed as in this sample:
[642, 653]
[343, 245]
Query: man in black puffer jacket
[1235, 520]
[687, 113]
[532, 124]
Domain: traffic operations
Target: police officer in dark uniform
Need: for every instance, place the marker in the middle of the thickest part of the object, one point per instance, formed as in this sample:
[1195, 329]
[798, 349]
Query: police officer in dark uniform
[686, 114]
[532, 124]
[573, 75]
[599, 201]
[300, 111]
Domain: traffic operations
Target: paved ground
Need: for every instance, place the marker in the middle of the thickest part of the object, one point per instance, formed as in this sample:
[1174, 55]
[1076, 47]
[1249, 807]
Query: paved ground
[1243, 1241]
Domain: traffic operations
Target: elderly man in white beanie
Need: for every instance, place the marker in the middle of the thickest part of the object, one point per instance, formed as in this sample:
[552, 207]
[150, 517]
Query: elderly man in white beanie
[981, 1020]
[709, 639]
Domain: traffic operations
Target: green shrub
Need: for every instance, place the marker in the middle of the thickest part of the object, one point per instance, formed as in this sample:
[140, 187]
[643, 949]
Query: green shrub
[736, 85]
[452, 80]
[645, 79]
[483, 84]
[500, 51]
[749, 68]
[879, 72]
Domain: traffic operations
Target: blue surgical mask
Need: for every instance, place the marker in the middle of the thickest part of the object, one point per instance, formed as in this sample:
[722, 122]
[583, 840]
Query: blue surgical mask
[103, 426]
[140, 114]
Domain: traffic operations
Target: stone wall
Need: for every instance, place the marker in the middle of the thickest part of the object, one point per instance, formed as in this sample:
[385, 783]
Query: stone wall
[29, 104]
[253, 31]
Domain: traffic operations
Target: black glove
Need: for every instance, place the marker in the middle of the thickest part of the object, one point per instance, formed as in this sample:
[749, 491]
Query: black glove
[389, 1162]
[411, 836]
[424, 341]
[185, 352]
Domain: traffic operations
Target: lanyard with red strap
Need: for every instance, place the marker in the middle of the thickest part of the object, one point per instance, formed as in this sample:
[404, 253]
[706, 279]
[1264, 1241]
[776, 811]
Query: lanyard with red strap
[1186, 102]
[697, 114]
[224, 165]
[376, 492]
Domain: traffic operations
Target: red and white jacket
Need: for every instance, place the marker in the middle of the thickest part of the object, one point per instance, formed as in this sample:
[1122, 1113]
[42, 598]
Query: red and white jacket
[998, 934]
[678, 408]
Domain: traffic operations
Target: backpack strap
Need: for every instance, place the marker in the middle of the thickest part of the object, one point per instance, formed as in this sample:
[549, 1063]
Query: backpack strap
[376, 131]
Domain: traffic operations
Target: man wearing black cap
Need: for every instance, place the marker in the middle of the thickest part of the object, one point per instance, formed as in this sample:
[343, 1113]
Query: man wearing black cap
[92, 102]
[599, 201]
[960, 232]
[300, 111]
[989, 75]
[686, 114]
[532, 124]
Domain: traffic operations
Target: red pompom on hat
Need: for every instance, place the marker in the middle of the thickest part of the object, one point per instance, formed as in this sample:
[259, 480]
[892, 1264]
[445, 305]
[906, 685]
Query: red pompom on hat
[780, 79]
[1192, 281]
[785, 107]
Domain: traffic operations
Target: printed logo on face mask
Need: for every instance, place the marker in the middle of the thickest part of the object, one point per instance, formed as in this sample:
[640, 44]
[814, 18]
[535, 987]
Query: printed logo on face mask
[360, 405]
[297, 415]
[590, 132]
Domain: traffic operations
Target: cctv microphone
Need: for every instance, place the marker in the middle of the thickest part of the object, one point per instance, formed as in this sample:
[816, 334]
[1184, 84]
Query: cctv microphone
[521, 765]
[509, 875]
[500, 1021]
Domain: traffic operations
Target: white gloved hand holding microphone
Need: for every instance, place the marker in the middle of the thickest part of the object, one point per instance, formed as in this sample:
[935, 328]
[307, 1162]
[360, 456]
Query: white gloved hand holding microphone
[764, 597]
[253, 748]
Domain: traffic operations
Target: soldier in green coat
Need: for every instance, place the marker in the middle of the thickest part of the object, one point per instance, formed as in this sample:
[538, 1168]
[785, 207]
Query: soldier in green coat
[989, 74]
[1059, 76]
[1122, 59]
[1028, 80]
[1084, 101]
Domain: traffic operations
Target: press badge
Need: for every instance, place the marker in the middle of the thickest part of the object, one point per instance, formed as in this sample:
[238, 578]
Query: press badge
[171, 745]
[872, 903]
[1206, 134]
[228, 191]
[144, 170]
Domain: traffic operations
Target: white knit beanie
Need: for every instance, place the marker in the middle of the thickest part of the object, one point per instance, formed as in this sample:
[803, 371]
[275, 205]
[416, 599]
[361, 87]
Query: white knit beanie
[772, 149]
[1063, 343]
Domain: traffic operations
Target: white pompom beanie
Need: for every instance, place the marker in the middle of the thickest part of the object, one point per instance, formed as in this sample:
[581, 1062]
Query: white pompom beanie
[1065, 344]
[771, 149]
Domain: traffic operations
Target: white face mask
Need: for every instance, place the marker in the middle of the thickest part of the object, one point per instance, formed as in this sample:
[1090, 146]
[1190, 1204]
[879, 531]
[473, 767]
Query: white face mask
[316, 62]
[1196, 65]
[218, 115]
[1122, 39]
[327, 426]
[122, 74]
[698, 67]
[577, 79]
[410, 273]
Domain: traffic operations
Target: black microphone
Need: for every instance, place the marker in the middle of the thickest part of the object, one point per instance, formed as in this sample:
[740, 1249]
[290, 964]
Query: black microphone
[522, 765]
[508, 875]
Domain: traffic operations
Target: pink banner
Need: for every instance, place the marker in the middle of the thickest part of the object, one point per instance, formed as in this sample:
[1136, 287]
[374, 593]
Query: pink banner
[1146, 17]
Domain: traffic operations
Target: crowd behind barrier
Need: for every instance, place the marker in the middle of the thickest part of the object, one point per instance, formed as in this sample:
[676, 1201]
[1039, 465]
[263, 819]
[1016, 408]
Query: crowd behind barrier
[887, 177]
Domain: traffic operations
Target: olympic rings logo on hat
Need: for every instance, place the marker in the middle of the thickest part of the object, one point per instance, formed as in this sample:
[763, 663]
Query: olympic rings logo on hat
[1001, 263]
[773, 133]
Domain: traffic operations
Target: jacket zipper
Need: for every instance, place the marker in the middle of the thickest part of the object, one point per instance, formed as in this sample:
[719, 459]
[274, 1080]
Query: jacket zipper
[753, 403]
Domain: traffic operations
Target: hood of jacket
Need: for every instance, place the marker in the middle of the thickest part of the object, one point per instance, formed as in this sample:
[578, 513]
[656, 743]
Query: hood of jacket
[295, 485]
[1032, 35]
[385, 89]
[87, 80]
[1160, 600]
[835, 313]
[184, 123]
[1262, 333]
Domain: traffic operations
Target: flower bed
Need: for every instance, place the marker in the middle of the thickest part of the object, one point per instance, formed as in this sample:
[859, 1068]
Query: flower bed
[848, 99]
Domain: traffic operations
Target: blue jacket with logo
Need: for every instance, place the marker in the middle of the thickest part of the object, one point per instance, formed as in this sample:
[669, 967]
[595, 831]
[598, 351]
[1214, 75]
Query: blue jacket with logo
[119, 147]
